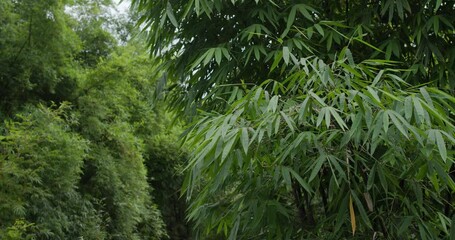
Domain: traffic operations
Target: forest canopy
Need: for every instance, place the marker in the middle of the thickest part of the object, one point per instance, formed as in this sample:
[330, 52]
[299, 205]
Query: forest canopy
[82, 153]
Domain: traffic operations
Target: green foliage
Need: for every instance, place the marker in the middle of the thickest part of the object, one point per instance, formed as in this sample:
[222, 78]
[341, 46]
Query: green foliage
[18, 231]
[41, 163]
[339, 137]
[79, 120]
[322, 119]
[79, 172]
[36, 52]
[115, 105]
[92, 18]
[210, 44]
[164, 161]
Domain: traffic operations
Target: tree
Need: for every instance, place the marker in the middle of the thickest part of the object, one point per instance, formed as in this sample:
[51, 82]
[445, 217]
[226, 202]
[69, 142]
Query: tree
[302, 131]
[36, 56]
[40, 164]
[78, 137]
[251, 39]
[115, 115]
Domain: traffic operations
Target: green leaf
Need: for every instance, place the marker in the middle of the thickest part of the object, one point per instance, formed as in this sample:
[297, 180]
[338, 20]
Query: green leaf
[385, 121]
[382, 178]
[377, 78]
[319, 29]
[338, 119]
[277, 60]
[273, 104]
[228, 147]
[288, 121]
[374, 94]
[290, 21]
[371, 178]
[303, 9]
[408, 108]
[400, 8]
[452, 226]
[317, 167]
[426, 96]
[304, 108]
[299, 179]
[208, 56]
[317, 98]
[286, 177]
[436, 7]
[244, 139]
[351, 60]
[397, 123]
[441, 145]
[170, 14]
[320, 117]
[327, 117]
[226, 53]
[420, 115]
[277, 124]
[218, 55]
[405, 225]
[286, 55]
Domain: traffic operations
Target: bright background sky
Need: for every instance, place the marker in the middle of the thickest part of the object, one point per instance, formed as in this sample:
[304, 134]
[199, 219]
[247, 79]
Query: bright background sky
[122, 5]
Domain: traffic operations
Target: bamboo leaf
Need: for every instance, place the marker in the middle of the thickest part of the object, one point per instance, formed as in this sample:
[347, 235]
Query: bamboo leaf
[218, 55]
[288, 121]
[420, 115]
[286, 177]
[327, 117]
[408, 108]
[374, 94]
[319, 29]
[371, 178]
[452, 226]
[338, 119]
[385, 121]
[299, 179]
[244, 139]
[352, 215]
[273, 104]
[426, 96]
[369, 201]
[320, 117]
[208, 56]
[405, 224]
[397, 123]
[286, 55]
[377, 78]
[317, 98]
[319, 162]
[441, 145]
[228, 147]
[170, 14]
[290, 21]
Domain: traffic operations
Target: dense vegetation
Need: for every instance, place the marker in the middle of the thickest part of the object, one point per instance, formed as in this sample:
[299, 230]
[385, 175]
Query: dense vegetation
[313, 119]
[303, 119]
[85, 145]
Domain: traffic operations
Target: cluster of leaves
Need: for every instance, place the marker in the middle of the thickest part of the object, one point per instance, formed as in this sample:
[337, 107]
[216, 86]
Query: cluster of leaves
[247, 40]
[328, 147]
[295, 138]
[36, 48]
[41, 163]
[114, 106]
[80, 144]
[164, 161]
